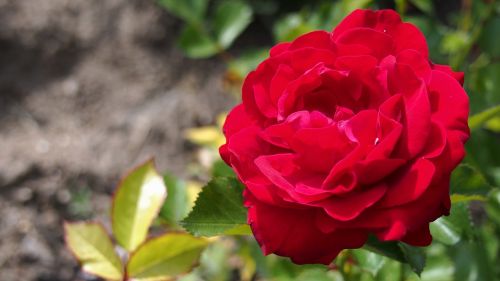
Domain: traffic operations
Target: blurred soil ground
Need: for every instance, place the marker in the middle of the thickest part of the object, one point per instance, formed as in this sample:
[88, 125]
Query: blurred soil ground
[88, 89]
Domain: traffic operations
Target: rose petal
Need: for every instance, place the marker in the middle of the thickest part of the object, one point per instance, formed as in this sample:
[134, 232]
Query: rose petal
[348, 207]
[459, 76]
[445, 91]
[297, 236]
[379, 43]
[409, 184]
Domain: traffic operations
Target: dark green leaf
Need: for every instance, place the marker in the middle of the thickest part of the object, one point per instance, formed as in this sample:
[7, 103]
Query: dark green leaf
[192, 11]
[231, 18]
[388, 249]
[423, 5]
[467, 180]
[219, 209]
[196, 43]
[415, 256]
[399, 251]
[487, 41]
[221, 169]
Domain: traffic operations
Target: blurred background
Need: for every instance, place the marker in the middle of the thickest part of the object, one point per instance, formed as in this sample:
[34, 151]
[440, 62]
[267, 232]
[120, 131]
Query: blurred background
[90, 88]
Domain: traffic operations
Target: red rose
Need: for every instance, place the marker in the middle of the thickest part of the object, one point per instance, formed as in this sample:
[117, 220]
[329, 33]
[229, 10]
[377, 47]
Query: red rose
[345, 134]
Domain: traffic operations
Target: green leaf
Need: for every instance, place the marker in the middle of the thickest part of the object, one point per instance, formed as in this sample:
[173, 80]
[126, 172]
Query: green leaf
[493, 124]
[477, 120]
[424, 5]
[455, 198]
[176, 205]
[493, 206]
[136, 204]
[392, 271]
[487, 41]
[219, 209]
[467, 180]
[246, 62]
[388, 249]
[231, 18]
[438, 266]
[401, 6]
[369, 261]
[242, 229]
[91, 245]
[318, 274]
[471, 262]
[415, 256]
[192, 11]
[221, 169]
[445, 232]
[165, 257]
[351, 5]
[461, 220]
[290, 27]
[196, 43]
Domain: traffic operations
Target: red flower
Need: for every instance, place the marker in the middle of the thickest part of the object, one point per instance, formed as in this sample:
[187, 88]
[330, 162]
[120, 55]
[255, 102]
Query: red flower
[345, 134]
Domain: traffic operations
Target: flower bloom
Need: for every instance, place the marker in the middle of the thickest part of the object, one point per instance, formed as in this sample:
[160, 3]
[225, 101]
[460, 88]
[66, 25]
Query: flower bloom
[347, 134]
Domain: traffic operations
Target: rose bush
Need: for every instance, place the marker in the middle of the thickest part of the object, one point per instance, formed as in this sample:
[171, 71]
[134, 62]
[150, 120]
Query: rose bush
[347, 134]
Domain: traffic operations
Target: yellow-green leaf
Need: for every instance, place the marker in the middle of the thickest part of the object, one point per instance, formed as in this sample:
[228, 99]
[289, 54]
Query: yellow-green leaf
[165, 257]
[480, 118]
[137, 202]
[243, 229]
[465, 198]
[209, 136]
[91, 245]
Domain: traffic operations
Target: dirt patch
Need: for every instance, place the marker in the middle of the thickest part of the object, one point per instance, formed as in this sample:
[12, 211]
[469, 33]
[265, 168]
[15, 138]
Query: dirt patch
[88, 88]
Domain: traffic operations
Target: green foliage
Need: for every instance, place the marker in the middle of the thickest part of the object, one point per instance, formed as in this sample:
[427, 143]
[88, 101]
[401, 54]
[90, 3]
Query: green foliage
[480, 118]
[189, 10]
[466, 244]
[388, 249]
[196, 43]
[176, 205]
[218, 209]
[208, 33]
[231, 18]
[415, 256]
[164, 257]
[369, 261]
[445, 232]
[292, 26]
[425, 6]
[467, 180]
[490, 43]
[137, 202]
[91, 245]
[493, 206]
